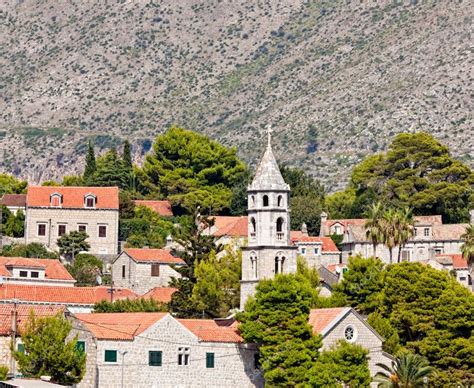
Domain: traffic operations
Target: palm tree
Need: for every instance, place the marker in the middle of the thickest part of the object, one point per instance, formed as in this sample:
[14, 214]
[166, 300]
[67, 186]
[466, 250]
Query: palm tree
[405, 228]
[373, 225]
[467, 248]
[408, 371]
[389, 229]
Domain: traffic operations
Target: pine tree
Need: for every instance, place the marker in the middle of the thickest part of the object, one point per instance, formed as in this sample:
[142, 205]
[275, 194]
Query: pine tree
[91, 167]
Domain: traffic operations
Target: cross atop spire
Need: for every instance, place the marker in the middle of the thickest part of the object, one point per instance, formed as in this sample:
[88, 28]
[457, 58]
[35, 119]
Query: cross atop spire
[269, 135]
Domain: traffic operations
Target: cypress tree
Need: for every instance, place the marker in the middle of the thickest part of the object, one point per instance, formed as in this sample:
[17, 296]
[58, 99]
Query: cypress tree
[127, 154]
[91, 167]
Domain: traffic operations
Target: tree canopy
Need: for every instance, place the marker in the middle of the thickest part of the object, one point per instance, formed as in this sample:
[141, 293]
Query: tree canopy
[72, 243]
[11, 185]
[191, 170]
[31, 250]
[129, 306]
[85, 269]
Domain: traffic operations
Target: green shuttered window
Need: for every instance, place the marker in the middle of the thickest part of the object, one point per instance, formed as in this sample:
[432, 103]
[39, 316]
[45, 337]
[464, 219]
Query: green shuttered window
[154, 357]
[110, 356]
[81, 346]
[209, 360]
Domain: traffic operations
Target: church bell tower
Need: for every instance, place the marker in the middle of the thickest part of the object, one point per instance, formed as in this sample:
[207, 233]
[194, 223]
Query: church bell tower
[269, 251]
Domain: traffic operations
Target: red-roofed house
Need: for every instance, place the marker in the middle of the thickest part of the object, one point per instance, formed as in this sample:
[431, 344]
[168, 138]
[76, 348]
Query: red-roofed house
[160, 294]
[46, 272]
[14, 202]
[317, 250]
[156, 347]
[76, 299]
[334, 324]
[142, 269]
[163, 208]
[453, 262]
[52, 211]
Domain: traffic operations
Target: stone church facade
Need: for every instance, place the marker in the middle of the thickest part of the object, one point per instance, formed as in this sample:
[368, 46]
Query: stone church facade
[269, 251]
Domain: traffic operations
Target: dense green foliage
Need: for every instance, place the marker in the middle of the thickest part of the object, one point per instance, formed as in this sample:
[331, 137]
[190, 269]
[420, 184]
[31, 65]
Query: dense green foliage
[90, 167]
[111, 170]
[306, 199]
[344, 365]
[129, 306]
[467, 247]
[70, 244]
[85, 269]
[217, 288]
[418, 308]
[191, 170]
[32, 250]
[48, 353]
[277, 320]
[3, 372]
[11, 185]
[15, 225]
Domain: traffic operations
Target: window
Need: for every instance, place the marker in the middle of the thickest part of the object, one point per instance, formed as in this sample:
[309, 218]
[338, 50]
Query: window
[21, 348]
[254, 267]
[81, 346]
[61, 230]
[438, 251]
[256, 360]
[183, 356]
[155, 270]
[350, 333]
[155, 357]
[253, 229]
[56, 200]
[415, 231]
[209, 360]
[303, 251]
[337, 230]
[41, 229]
[280, 201]
[102, 231]
[23, 274]
[110, 356]
[34, 274]
[89, 200]
[252, 201]
[82, 228]
[426, 232]
[123, 271]
[265, 200]
[316, 251]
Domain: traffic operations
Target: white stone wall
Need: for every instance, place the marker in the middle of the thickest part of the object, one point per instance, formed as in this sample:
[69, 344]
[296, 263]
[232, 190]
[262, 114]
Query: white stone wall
[41, 282]
[72, 218]
[364, 337]
[234, 365]
[138, 275]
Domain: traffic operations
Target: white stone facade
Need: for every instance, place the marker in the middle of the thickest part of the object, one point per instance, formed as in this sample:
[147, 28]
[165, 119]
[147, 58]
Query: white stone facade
[234, 364]
[91, 219]
[138, 276]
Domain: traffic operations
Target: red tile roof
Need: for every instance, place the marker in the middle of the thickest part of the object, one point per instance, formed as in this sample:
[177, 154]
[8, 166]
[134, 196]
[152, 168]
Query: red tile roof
[15, 200]
[118, 326]
[449, 232]
[296, 234]
[160, 294]
[62, 295]
[321, 319]
[333, 267]
[53, 268]
[235, 228]
[221, 221]
[150, 255]
[73, 197]
[163, 208]
[457, 260]
[208, 330]
[327, 243]
[23, 314]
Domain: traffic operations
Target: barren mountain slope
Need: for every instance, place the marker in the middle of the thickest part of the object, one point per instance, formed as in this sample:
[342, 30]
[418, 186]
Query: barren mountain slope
[336, 79]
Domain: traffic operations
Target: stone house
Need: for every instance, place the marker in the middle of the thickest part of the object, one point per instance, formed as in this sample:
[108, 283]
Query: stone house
[431, 238]
[12, 321]
[160, 294]
[163, 208]
[76, 299]
[46, 272]
[344, 323]
[142, 269]
[157, 350]
[455, 264]
[318, 251]
[52, 211]
[229, 230]
[14, 202]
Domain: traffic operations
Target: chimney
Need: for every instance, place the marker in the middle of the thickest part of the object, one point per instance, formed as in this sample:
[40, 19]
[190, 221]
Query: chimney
[304, 229]
[324, 218]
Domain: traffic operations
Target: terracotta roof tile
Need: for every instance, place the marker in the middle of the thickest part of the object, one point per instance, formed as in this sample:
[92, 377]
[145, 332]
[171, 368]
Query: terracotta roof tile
[449, 232]
[150, 255]
[15, 200]
[456, 259]
[23, 313]
[118, 326]
[163, 208]
[208, 330]
[53, 268]
[296, 234]
[160, 294]
[333, 267]
[235, 228]
[326, 242]
[62, 295]
[222, 221]
[73, 197]
[321, 319]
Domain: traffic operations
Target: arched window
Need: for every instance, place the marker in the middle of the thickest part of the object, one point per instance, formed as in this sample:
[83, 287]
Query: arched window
[254, 263]
[90, 200]
[277, 265]
[252, 201]
[56, 199]
[253, 227]
[265, 200]
[280, 201]
[280, 223]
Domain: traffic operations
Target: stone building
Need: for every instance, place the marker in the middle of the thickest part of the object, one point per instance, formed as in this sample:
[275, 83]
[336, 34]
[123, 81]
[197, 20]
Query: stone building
[142, 269]
[46, 272]
[344, 323]
[52, 211]
[14, 202]
[157, 350]
[269, 251]
[455, 264]
[431, 238]
[318, 251]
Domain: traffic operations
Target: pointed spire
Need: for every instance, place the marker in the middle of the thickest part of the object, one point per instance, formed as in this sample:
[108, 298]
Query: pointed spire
[268, 175]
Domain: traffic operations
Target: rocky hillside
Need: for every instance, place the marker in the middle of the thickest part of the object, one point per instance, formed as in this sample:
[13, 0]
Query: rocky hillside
[337, 79]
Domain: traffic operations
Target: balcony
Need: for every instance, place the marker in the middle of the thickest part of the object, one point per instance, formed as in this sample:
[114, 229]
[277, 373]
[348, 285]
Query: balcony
[280, 236]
